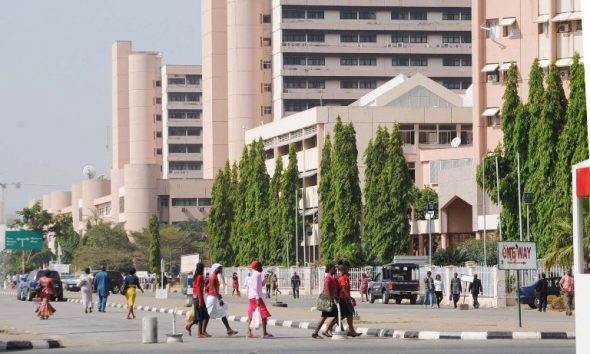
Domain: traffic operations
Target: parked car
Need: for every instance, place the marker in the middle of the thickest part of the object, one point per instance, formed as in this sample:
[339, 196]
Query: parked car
[70, 282]
[116, 281]
[396, 281]
[30, 284]
[527, 293]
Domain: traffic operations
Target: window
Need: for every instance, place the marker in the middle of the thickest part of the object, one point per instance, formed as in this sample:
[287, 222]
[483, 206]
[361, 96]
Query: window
[348, 15]
[418, 15]
[466, 134]
[399, 13]
[456, 38]
[407, 134]
[452, 84]
[184, 202]
[316, 84]
[457, 61]
[176, 81]
[451, 16]
[158, 151]
[158, 100]
[266, 64]
[466, 15]
[315, 14]
[349, 61]
[204, 201]
[174, 166]
[418, 61]
[367, 61]
[294, 60]
[121, 205]
[349, 84]
[367, 84]
[446, 133]
[316, 61]
[578, 25]
[493, 30]
[158, 83]
[295, 83]
[183, 114]
[266, 110]
[183, 97]
[293, 13]
[418, 38]
[563, 27]
[267, 88]
[367, 38]
[158, 134]
[164, 201]
[193, 79]
[295, 106]
[158, 117]
[367, 15]
[184, 131]
[349, 37]
[80, 214]
[400, 60]
[412, 170]
[266, 18]
[428, 134]
[293, 36]
[400, 37]
[266, 42]
[192, 97]
[184, 148]
[316, 37]
[544, 28]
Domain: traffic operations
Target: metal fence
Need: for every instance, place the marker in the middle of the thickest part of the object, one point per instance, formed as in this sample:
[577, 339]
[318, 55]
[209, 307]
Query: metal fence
[528, 277]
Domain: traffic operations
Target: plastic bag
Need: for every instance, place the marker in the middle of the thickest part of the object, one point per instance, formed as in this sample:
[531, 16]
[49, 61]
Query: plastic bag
[190, 315]
[256, 319]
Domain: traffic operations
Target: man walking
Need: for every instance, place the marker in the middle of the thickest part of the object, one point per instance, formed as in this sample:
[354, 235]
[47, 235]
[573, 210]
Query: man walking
[103, 285]
[215, 304]
[567, 288]
[456, 289]
[295, 283]
[475, 289]
[429, 289]
[541, 292]
[267, 283]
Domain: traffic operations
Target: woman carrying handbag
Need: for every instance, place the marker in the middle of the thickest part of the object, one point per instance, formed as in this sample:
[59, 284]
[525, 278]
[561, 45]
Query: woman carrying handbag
[326, 302]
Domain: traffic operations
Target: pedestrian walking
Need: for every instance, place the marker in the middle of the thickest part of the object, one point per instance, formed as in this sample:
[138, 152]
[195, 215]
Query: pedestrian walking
[235, 285]
[429, 290]
[346, 301]
[275, 285]
[86, 284]
[438, 289]
[103, 284]
[129, 290]
[566, 284]
[364, 287]
[255, 300]
[267, 283]
[295, 283]
[456, 289]
[46, 292]
[475, 289]
[201, 315]
[215, 305]
[541, 290]
[247, 281]
[330, 290]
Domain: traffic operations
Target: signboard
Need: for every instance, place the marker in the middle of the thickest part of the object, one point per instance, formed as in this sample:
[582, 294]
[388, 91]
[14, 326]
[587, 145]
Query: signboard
[517, 255]
[24, 240]
[467, 278]
[61, 268]
[188, 262]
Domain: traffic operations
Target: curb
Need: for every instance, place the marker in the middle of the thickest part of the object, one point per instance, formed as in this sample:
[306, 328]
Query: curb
[26, 344]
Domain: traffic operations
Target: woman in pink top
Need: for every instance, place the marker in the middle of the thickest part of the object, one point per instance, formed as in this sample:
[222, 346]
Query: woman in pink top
[255, 300]
[46, 293]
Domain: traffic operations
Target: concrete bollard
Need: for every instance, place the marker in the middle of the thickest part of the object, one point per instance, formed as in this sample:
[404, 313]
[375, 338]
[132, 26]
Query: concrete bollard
[150, 330]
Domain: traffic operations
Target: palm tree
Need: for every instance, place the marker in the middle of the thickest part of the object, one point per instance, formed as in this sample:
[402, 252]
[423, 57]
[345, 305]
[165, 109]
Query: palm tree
[561, 251]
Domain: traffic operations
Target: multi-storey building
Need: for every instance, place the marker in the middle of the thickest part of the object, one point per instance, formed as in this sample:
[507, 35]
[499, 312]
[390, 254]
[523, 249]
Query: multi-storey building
[157, 148]
[266, 59]
[517, 31]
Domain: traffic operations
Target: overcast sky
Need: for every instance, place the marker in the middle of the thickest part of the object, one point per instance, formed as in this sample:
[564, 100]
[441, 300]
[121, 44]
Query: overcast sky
[55, 82]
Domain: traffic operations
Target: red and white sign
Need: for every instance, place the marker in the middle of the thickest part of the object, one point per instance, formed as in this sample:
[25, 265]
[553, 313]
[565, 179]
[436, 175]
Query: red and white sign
[517, 255]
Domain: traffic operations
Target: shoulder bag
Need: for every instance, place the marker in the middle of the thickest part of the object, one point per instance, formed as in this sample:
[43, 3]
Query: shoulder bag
[324, 302]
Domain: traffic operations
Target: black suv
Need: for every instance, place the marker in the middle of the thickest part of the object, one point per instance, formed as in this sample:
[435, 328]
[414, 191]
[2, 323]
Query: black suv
[116, 281]
[29, 285]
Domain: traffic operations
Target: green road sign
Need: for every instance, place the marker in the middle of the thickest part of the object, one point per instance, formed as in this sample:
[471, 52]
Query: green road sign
[24, 240]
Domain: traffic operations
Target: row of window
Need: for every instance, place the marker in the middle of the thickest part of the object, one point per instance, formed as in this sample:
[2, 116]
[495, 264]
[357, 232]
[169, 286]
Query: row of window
[184, 131]
[397, 13]
[436, 134]
[184, 97]
[184, 114]
[184, 148]
[301, 83]
[184, 202]
[310, 83]
[184, 80]
[397, 60]
[366, 37]
[179, 166]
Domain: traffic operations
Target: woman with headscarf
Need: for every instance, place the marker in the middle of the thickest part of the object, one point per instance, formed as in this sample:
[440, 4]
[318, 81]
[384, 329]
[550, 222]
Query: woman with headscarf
[86, 283]
[130, 288]
[46, 293]
[255, 300]
[215, 304]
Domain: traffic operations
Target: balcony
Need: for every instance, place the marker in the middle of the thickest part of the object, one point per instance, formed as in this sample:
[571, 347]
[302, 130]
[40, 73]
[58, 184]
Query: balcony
[198, 139]
[184, 105]
[374, 25]
[185, 157]
[185, 122]
[383, 69]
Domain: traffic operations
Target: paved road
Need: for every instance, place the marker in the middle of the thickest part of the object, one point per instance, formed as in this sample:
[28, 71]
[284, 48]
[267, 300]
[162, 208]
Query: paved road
[110, 332]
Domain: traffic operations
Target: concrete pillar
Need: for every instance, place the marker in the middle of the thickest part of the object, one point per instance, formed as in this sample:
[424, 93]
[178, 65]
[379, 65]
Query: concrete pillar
[500, 288]
[444, 241]
[420, 245]
[307, 285]
[149, 330]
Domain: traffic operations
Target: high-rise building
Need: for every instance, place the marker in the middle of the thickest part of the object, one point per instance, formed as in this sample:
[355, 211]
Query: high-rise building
[517, 31]
[267, 59]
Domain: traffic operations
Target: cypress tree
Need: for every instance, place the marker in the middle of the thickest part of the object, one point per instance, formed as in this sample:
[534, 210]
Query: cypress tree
[376, 157]
[347, 193]
[327, 228]
[511, 104]
[154, 250]
[573, 141]
[289, 188]
[533, 107]
[276, 255]
[221, 216]
[240, 178]
[257, 228]
[543, 179]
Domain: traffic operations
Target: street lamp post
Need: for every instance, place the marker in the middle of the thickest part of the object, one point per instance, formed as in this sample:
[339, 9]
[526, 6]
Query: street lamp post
[528, 200]
[429, 215]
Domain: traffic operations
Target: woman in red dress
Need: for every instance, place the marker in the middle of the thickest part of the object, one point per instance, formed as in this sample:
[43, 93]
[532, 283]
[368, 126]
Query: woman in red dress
[46, 293]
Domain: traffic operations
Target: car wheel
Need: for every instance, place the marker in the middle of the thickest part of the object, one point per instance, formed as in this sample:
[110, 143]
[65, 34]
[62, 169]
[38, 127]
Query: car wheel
[29, 295]
[371, 298]
[385, 298]
[398, 301]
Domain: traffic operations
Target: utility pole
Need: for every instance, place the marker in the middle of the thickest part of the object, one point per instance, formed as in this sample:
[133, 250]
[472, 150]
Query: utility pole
[485, 254]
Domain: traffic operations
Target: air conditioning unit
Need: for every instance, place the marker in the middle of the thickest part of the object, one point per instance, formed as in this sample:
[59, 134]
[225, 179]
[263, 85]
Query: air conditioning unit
[563, 27]
[492, 77]
[445, 45]
[438, 45]
[564, 74]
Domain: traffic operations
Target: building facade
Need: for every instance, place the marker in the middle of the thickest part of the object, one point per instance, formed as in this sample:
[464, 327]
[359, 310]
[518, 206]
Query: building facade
[264, 60]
